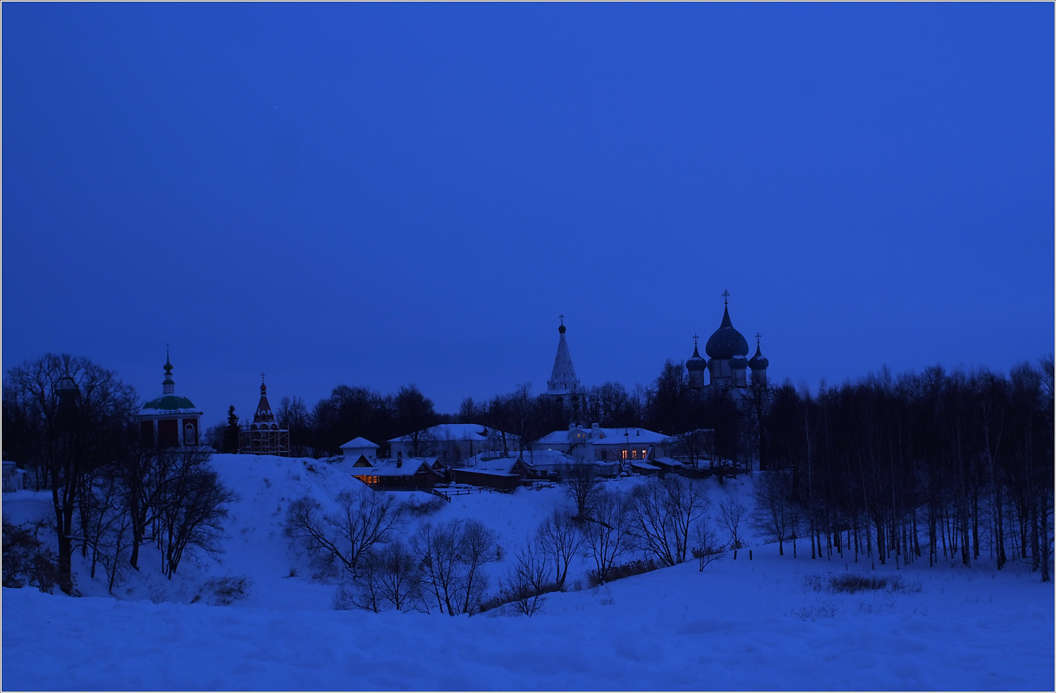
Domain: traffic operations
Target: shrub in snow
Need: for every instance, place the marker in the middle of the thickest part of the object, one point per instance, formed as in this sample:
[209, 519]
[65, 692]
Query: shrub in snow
[419, 508]
[851, 583]
[26, 561]
[224, 591]
[635, 567]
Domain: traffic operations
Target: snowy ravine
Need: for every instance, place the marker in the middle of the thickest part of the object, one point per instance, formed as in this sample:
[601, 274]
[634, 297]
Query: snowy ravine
[738, 625]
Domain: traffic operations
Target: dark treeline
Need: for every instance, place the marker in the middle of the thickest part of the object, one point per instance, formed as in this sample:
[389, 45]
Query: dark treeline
[668, 406]
[951, 465]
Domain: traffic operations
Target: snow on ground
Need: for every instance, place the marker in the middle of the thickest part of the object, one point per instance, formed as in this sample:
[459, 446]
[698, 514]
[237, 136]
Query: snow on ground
[738, 625]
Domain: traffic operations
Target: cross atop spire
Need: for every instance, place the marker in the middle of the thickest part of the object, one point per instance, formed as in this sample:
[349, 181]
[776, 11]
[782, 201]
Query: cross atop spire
[757, 337]
[726, 298]
[695, 341]
[167, 385]
[562, 316]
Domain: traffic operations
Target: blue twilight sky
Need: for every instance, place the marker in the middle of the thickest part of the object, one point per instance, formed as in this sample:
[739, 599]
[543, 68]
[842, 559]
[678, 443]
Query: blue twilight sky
[388, 194]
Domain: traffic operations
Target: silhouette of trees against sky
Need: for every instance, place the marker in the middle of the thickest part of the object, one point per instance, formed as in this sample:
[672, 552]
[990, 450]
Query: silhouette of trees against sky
[963, 459]
[68, 417]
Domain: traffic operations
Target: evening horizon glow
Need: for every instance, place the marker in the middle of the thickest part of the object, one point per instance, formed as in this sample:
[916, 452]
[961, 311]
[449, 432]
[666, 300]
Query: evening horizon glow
[381, 195]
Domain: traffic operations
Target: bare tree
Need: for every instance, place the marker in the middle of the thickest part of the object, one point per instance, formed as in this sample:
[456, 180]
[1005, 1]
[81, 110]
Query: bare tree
[415, 414]
[705, 548]
[452, 556]
[582, 486]
[478, 547]
[107, 523]
[389, 577]
[436, 548]
[527, 580]
[191, 509]
[607, 531]
[68, 417]
[732, 513]
[364, 518]
[662, 513]
[558, 539]
[774, 516]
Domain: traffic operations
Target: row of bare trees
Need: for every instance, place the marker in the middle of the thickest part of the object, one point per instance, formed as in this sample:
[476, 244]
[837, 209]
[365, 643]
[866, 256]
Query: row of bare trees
[358, 541]
[950, 465]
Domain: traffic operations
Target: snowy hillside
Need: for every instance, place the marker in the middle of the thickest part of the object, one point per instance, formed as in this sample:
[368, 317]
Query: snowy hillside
[769, 623]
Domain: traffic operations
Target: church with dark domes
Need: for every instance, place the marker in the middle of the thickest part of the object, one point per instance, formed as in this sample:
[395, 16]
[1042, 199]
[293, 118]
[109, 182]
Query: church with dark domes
[728, 365]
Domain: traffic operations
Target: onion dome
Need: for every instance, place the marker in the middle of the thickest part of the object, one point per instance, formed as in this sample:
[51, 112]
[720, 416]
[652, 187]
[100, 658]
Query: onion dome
[726, 342]
[758, 362]
[169, 402]
[696, 362]
[738, 362]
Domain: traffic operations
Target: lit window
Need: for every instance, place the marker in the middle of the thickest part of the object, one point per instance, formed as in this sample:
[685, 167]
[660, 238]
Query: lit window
[624, 454]
[634, 454]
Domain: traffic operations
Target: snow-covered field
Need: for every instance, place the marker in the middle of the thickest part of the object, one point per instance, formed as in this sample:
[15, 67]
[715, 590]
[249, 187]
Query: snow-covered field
[738, 625]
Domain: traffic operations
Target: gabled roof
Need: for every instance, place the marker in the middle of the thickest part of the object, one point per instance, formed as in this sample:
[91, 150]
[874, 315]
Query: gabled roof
[359, 443]
[487, 464]
[409, 466]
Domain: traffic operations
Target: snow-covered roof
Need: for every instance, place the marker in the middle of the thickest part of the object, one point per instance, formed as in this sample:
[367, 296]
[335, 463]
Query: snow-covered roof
[487, 463]
[606, 436]
[474, 432]
[549, 458]
[409, 467]
[167, 405]
[359, 442]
